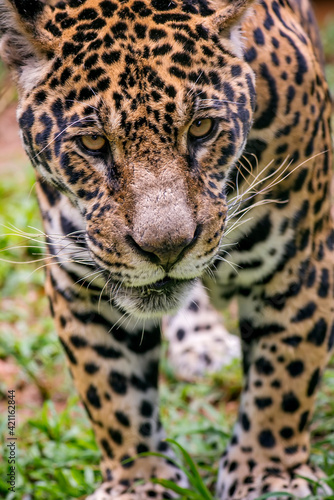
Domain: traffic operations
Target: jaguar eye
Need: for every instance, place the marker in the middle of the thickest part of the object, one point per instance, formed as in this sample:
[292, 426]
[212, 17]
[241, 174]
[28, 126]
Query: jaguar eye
[93, 143]
[201, 128]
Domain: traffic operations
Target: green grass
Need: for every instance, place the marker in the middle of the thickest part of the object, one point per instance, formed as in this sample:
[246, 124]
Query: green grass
[57, 457]
[327, 35]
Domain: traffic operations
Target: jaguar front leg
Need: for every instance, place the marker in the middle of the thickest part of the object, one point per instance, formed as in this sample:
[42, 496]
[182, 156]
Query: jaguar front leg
[287, 338]
[115, 370]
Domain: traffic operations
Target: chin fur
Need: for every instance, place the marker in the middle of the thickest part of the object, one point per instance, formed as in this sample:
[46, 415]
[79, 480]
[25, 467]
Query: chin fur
[144, 302]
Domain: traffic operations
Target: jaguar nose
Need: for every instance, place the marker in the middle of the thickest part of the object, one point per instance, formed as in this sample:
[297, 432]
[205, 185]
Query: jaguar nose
[165, 252]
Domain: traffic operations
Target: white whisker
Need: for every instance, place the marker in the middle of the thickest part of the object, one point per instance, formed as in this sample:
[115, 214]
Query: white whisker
[87, 118]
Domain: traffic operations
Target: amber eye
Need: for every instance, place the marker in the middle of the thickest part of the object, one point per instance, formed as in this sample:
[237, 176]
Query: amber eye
[201, 128]
[93, 143]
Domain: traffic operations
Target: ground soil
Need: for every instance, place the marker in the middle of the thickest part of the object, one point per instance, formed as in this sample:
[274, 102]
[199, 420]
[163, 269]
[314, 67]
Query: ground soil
[324, 9]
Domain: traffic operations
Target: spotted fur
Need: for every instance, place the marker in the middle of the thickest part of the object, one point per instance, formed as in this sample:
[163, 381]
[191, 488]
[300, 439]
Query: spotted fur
[131, 227]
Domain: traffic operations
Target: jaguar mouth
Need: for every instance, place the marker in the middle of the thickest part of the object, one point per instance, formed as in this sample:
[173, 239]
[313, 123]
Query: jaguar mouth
[160, 287]
[155, 299]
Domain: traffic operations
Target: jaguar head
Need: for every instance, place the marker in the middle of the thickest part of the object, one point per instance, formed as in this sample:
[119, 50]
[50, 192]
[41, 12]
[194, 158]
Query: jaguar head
[136, 112]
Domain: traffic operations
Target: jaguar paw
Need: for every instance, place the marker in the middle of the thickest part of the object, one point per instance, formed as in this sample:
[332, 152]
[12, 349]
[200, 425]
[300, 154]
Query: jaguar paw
[137, 491]
[298, 482]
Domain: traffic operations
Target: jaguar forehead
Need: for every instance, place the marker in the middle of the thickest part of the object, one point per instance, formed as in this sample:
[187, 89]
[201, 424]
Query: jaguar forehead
[183, 105]
[126, 27]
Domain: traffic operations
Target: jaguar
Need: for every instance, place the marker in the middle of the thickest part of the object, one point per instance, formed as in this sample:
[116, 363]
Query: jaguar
[182, 152]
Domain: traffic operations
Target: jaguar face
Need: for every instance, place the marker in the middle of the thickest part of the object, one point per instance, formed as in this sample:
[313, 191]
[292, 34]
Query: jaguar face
[141, 129]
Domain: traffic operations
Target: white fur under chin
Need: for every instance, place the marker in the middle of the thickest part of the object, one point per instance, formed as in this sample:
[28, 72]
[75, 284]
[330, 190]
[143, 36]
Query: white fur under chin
[152, 306]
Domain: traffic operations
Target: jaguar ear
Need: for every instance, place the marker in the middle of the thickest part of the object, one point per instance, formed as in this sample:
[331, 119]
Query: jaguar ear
[227, 17]
[24, 39]
[228, 13]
